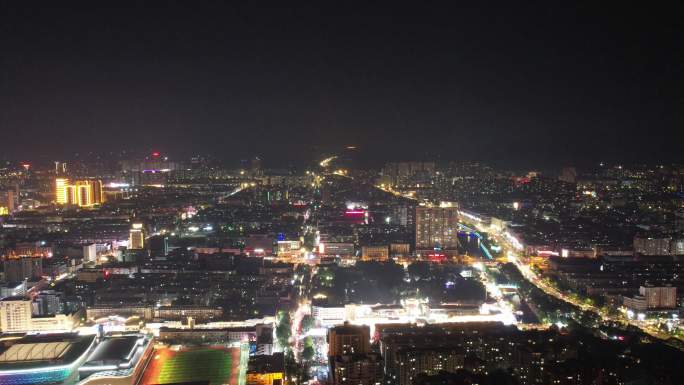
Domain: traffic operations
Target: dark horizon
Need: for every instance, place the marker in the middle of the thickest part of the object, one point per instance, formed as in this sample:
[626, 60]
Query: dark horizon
[516, 86]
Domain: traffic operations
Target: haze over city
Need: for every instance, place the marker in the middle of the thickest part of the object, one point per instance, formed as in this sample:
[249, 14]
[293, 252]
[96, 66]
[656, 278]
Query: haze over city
[517, 84]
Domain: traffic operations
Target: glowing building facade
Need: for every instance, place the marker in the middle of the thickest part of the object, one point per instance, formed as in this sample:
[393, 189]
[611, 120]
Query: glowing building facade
[61, 195]
[83, 193]
[136, 237]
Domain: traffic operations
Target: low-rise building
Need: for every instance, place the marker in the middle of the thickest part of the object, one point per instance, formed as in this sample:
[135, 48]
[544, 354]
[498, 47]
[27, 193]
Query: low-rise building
[266, 369]
[375, 253]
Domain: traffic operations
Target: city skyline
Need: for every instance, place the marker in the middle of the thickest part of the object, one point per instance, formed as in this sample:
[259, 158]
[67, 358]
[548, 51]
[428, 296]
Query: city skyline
[240, 193]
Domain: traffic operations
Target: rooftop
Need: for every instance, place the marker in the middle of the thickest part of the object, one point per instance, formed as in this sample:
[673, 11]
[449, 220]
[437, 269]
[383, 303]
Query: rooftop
[114, 350]
[266, 363]
[16, 298]
[35, 352]
[44, 350]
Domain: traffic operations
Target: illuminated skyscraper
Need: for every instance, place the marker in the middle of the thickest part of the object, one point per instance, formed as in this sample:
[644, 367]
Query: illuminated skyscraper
[437, 227]
[136, 237]
[97, 192]
[61, 193]
[83, 193]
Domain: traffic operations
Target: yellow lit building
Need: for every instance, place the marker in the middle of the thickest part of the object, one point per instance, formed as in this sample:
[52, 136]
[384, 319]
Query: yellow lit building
[7, 202]
[83, 193]
[375, 253]
[136, 237]
[61, 195]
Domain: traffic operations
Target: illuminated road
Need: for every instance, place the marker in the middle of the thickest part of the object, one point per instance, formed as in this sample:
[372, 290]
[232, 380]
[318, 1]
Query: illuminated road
[512, 248]
[395, 193]
[551, 290]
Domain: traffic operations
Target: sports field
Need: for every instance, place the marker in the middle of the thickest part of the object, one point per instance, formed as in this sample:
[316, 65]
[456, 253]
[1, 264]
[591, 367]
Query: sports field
[218, 365]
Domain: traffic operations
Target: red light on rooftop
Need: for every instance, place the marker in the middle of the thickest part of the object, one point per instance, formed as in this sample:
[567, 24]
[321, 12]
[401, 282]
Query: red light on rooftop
[156, 153]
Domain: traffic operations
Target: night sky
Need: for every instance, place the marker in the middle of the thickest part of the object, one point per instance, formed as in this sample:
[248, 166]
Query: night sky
[513, 85]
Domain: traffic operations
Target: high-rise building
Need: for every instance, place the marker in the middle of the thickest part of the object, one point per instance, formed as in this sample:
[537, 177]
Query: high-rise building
[659, 297]
[15, 314]
[19, 269]
[7, 202]
[437, 227]
[652, 246]
[255, 166]
[351, 360]
[30, 249]
[158, 245]
[412, 362]
[83, 193]
[60, 168]
[408, 173]
[46, 303]
[348, 339]
[90, 253]
[136, 237]
[266, 369]
[357, 369]
[152, 170]
[61, 194]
